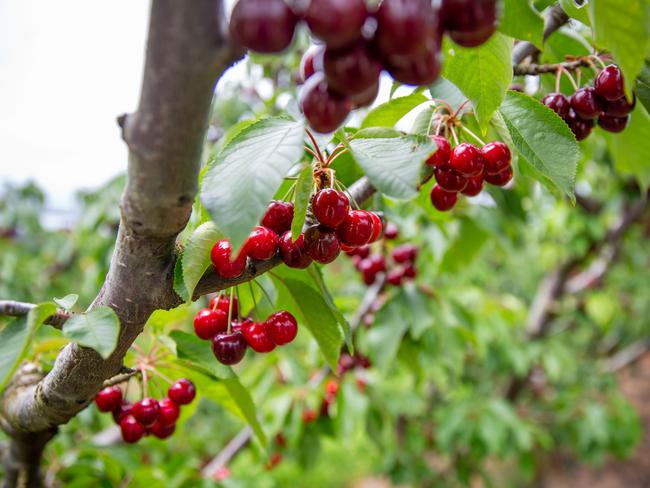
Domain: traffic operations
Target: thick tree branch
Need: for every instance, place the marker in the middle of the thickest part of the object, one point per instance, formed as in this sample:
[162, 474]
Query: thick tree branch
[555, 18]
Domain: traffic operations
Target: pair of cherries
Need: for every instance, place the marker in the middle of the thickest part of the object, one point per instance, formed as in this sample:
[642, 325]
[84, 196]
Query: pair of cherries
[148, 416]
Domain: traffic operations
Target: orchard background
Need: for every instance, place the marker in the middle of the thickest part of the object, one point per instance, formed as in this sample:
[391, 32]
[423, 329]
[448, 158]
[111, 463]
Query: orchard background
[507, 347]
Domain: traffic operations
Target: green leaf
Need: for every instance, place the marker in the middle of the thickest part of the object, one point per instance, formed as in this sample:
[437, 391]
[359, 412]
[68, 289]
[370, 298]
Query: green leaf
[389, 113]
[393, 164]
[246, 405]
[422, 123]
[624, 29]
[304, 186]
[642, 87]
[521, 21]
[383, 340]
[97, 329]
[468, 242]
[239, 184]
[179, 285]
[543, 139]
[482, 73]
[196, 255]
[630, 148]
[67, 302]
[197, 355]
[443, 89]
[575, 11]
[16, 337]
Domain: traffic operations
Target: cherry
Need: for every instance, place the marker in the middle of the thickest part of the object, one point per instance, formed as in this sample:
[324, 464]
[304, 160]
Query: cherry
[131, 429]
[469, 22]
[278, 216]
[221, 255]
[416, 69]
[351, 70]
[182, 392]
[442, 199]
[309, 416]
[496, 156]
[209, 323]
[330, 207]
[262, 243]
[230, 348]
[169, 412]
[449, 179]
[146, 411]
[377, 227]
[293, 253]
[366, 97]
[257, 337]
[331, 388]
[581, 128]
[405, 26]
[162, 431]
[337, 22]
[586, 103]
[282, 327]
[410, 271]
[474, 186]
[558, 103]
[441, 156]
[391, 232]
[356, 229]
[311, 62]
[363, 251]
[613, 124]
[265, 26]
[474, 38]
[406, 253]
[122, 411]
[620, 107]
[109, 399]
[321, 244]
[324, 110]
[500, 179]
[609, 83]
[466, 159]
[394, 277]
[223, 303]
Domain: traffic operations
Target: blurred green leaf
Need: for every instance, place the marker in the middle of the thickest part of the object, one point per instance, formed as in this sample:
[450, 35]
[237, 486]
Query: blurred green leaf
[389, 113]
[631, 147]
[521, 21]
[304, 185]
[67, 302]
[97, 329]
[196, 255]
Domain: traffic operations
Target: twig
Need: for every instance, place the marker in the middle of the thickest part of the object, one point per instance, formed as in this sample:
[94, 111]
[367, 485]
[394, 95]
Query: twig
[628, 355]
[12, 308]
[124, 375]
[223, 458]
[538, 69]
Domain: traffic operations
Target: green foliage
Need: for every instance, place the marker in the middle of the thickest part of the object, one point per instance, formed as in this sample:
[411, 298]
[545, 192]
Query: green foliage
[389, 113]
[304, 186]
[97, 329]
[521, 21]
[195, 259]
[631, 147]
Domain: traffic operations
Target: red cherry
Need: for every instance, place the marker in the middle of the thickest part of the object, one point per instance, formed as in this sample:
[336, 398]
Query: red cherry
[376, 263]
[496, 156]
[442, 199]
[406, 253]
[449, 179]
[366, 97]
[330, 207]
[391, 232]
[293, 253]
[466, 159]
[122, 411]
[209, 323]
[613, 124]
[262, 243]
[586, 103]
[394, 277]
[309, 416]
[324, 110]
[609, 83]
[282, 327]
[311, 62]
[182, 392]
[500, 179]
[620, 107]
[469, 22]
[337, 22]
[441, 156]
[109, 399]
[169, 412]
[257, 337]
[356, 229]
[146, 411]
[409, 271]
[278, 217]
[558, 103]
[417, 69]
[321, 244]
[265, 26]
[223, 303]
[377, 227]
[221, 259]
[162, 431]
[131, 429]
[351, 70]
[474, 186]
[230, 348]
[405, 26]
[474, 38]
[581, 128]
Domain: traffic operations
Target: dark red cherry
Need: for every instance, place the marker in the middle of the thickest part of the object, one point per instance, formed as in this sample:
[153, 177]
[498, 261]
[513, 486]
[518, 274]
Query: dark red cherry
[321, 244]
[337, 22]
[469, 23]
[257, 337]
[366, 97]
[410, 271]
[496, 156]
[421, 68]
[581, 128]
[613, 124]
[282, 327]
[162, 431]
[265, 26]
[330, 207]
[324, 110]
[449, 179]
[209, 323]
[351, 70]
[474, 38]
[441, 156]
[122, 411]
[466, 159]
[221, 259]
[131, 429]
[363, 251]
[442, 199]
[356, 229]
[293, 253]
[182, 392]
[312, 61]
[109, 399]
[377, 227]
[474, 186]
[229, 349]
[620, 107]
[262, 243]
[609, 83]
[391, 232]
[405, 26]
[558, 103]
[394, 277]
[586, 103]
[406, 253]
[500, 179]
[146, 411]
[278, 217]
[223, 303]
[375, 263]
[168, 413]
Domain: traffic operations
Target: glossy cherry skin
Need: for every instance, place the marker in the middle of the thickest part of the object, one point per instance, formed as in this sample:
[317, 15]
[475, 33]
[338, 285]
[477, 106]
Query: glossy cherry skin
[466, 159]
[620, 107]
[586, 103]
[265, 26]
[162, 431]
[209, 323]
[410, 271]
[122, 411]
[262, 243]
[321, 244]
[337, 22]
[500, 179]
[558, 103]
[442, 199]
[474, 186]
[406, 253]
[613, 124]
[146, 411]
[257, 337]
[182, 392]
[278, 217]
[324, 110]
[421, 68]
[223, 303]
[330, 207]
[131, 429]
[441, 156]
[282, 327]
[221, 260]
[449, 179]
[394, 277]
[351, 70]
[366, 97]
[581, 128]
[609, 83]
[168, 413]
[293, 253]
[469, 23]
[109, 399]
[375, 263]
[474, 38]
[229, 349]
[496, 156]
[377, 227]
[391, 232]
[356, 229]
[405, 26]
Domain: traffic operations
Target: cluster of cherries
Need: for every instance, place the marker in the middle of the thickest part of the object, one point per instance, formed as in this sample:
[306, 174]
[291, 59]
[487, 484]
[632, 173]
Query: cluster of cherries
[605, 102]
[148, 416]
[231, 338]
[465, 168]
[401, 36]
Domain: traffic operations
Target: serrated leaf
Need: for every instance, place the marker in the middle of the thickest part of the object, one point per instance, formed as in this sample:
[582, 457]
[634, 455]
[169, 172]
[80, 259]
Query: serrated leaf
[521, 21]
[67, 302]
[576, 11]
[196, 255]
[304, 185]
[642, 87]
[97, 329]
[423, 120]
[393, 164]
[482, 73]
[630, 148]
[16, 337]
[245, 175]
[543, 139]
[197, 354]
[179, 284]
[389, 113]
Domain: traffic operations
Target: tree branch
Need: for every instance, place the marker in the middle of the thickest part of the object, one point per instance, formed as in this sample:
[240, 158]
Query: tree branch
[538, 69]
[18, 309]
[555, 18]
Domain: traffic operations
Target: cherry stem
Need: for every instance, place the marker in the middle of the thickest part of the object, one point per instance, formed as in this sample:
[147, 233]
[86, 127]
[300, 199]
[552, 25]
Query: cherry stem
[158, 373]
[477, 138]
[145, 386]
[568, 75]
[453, 134]
[310, 151]
[252, 292]
[444, 104]
[216, 302]
[345, 189]
[558, 76]
[313, 140]
[461, 107]
[599, 61]
[229, 312]
[287, 195]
